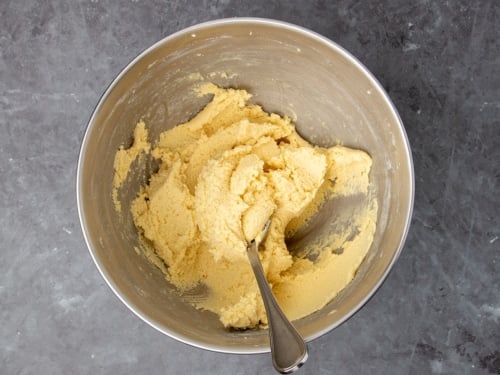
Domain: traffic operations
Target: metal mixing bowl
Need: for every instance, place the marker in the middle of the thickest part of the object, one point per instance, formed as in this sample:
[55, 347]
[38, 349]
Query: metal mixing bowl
[289, 70]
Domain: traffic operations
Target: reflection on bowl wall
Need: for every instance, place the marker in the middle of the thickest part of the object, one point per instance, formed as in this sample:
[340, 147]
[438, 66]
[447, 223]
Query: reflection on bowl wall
[288, 70]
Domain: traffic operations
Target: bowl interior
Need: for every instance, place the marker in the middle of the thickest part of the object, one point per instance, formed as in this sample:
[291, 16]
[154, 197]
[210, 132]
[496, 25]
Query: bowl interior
[288, 70]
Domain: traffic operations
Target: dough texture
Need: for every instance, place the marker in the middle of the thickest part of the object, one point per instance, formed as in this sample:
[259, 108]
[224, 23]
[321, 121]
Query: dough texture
[221, 176]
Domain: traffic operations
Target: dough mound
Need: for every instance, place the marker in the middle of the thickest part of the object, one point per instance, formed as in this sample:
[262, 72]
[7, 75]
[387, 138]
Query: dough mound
[222, 175]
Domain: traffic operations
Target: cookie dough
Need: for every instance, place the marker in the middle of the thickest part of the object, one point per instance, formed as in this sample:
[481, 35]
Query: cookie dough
[221, 176]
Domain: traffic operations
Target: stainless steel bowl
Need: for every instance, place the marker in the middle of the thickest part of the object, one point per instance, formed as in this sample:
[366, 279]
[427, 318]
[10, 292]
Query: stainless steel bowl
[289, 70]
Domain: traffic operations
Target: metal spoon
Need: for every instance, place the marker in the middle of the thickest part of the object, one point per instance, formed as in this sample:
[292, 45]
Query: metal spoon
[288, 348]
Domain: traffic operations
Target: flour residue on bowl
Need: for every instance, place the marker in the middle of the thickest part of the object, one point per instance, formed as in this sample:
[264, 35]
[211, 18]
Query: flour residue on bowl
[221, 175]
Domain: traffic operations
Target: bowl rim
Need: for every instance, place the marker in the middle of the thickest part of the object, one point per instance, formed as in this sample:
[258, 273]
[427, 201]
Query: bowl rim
[191, 30]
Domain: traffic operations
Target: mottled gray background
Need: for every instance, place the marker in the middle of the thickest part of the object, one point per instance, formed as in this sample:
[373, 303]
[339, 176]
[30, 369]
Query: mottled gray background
[439, 310]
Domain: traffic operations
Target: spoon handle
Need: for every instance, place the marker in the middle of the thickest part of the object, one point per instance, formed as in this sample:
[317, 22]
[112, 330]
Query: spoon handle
[288, 348]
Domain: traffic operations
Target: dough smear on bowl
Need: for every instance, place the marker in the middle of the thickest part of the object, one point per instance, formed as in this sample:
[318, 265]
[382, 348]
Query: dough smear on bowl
[221, 175]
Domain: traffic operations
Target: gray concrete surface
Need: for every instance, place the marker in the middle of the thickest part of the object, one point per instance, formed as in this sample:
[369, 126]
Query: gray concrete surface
[439, 310]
